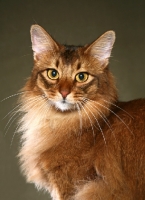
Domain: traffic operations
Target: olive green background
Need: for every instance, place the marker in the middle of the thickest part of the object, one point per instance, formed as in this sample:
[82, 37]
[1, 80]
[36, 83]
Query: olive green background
[72, 22]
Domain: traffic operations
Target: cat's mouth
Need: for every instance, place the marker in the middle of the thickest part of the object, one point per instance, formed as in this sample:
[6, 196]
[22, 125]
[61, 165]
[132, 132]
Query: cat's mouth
[63, 101]
[64, 105]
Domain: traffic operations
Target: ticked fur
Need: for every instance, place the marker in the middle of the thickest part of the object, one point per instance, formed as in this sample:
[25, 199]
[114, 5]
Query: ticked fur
[78, 141]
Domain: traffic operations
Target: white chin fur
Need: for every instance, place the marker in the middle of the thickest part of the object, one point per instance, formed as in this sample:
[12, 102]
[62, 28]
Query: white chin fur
[63, 106]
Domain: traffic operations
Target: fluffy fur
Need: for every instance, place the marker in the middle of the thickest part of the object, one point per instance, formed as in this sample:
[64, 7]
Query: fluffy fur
[78, 141]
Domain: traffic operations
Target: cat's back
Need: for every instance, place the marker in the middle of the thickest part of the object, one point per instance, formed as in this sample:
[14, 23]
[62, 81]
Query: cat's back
[128, 125]
[132, 144]
[133, 107]
[129, 114]
[124, 147]
[127, 121]
[131, 117]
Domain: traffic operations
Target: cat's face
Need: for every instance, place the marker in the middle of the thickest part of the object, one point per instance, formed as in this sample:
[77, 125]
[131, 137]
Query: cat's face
[67, 76]
[67, 84]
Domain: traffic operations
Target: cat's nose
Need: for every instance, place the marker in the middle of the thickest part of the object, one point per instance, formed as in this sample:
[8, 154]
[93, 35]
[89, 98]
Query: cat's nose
[64, 93]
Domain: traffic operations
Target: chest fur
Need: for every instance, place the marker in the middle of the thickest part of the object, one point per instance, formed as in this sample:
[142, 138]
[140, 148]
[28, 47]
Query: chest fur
[67, 165]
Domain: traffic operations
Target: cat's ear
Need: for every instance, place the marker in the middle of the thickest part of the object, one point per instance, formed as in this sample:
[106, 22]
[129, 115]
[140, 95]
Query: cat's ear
[41, 40]
[102, 47]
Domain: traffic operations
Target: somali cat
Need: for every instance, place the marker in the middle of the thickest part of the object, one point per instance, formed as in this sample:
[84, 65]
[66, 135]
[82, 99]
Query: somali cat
[78, 141]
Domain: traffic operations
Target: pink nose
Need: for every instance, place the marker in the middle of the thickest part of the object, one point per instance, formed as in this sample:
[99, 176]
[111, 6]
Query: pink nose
[64, 93]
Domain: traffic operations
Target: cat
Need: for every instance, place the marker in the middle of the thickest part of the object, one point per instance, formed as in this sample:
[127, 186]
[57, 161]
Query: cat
[78, 141]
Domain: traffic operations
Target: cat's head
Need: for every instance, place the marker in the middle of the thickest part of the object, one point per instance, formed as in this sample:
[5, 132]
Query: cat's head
[68, 77]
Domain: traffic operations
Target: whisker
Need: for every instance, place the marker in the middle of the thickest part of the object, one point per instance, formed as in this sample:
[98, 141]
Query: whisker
[11, 111]
[13, 95]
[97, 123]
[116, 116]
[13, 118]
[80, 117]
[30, 101]
[88, 118]
[40, 108]
[10, 122]
[14, 135]
[119, 108]
[101, 114]
[19, 106]
[48, 109]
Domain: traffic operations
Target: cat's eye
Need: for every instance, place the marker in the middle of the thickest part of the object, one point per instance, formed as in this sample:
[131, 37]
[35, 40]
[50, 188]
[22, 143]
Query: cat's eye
[52, 74]
[82, 77]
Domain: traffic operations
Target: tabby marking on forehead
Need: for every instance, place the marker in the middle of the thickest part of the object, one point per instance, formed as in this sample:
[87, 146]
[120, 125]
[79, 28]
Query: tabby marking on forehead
[57, 63]
[70, 53]
[78, 66]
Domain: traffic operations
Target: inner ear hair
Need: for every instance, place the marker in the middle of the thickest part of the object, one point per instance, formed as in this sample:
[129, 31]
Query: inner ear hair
[102, 47]
[41, 40]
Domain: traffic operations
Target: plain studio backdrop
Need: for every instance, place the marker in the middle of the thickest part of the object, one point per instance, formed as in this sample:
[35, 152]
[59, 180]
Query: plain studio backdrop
[75, 22]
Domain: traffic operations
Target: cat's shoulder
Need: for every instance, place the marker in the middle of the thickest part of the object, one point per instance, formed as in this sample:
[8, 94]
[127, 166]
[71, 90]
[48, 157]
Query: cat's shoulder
[131, 112]
[133, 106]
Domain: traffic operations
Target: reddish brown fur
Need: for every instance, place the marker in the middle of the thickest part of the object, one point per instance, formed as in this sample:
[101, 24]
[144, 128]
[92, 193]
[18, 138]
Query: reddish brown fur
[106, 161]
[120, 162]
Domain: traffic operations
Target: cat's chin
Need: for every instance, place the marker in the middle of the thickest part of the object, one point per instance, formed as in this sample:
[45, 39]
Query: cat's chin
[64, 106]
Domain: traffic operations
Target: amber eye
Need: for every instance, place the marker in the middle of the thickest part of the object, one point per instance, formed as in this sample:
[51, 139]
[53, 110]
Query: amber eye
[53, 74]
[82, 77]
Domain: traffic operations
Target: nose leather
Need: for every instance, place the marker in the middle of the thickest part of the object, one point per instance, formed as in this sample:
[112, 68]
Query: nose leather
[64, 93]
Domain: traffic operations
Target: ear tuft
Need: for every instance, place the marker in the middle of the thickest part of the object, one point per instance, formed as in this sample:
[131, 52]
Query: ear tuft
[41, 40]
[102, 47]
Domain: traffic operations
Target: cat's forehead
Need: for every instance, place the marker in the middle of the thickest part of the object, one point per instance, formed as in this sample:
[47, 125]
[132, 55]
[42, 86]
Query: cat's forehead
[70, 54]
[69, 57]
[74, 57]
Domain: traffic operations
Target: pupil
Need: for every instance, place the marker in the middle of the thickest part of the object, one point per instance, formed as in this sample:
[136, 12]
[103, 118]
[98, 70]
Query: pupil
[54, 73]
[81, 76]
